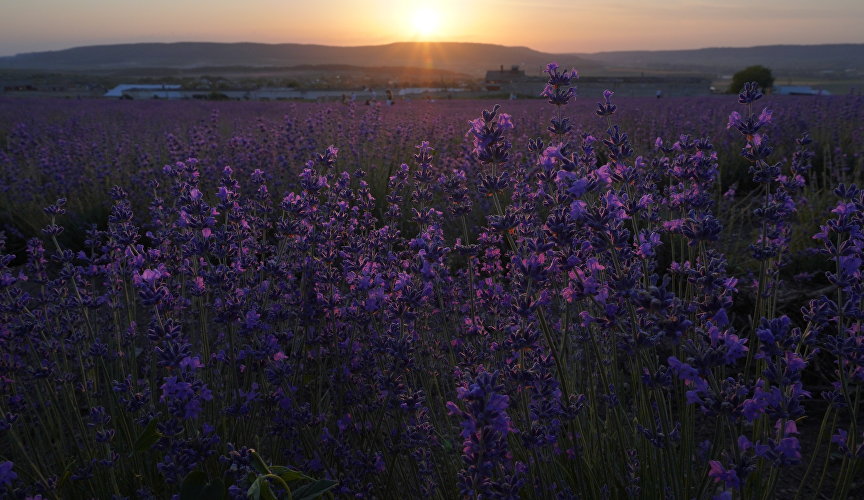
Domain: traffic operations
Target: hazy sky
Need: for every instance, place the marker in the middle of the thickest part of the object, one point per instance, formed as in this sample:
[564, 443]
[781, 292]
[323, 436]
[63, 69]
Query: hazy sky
[547, 25]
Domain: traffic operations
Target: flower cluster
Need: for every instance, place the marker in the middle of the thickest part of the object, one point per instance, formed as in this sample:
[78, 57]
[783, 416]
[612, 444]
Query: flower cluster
[373, 297]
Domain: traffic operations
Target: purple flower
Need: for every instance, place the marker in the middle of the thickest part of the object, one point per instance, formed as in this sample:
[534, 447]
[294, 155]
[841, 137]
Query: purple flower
[191, 363]
[794, 361]
[840, 438]
[184, 398]
[606, 108]
[647, 242]
[487, 133]
[485, 426]
[718, 473]
[749, 93]
[790, 449]
[785, 452]
[7, 475]
[735, 348]
[558, 90]
[683, 370]
[505, 121]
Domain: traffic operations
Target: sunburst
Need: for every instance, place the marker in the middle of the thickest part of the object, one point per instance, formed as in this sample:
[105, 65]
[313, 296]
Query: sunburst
[426, 23]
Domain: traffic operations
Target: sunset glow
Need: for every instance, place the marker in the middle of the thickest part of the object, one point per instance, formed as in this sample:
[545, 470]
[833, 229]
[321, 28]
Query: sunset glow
[425, 23]
[557, 26]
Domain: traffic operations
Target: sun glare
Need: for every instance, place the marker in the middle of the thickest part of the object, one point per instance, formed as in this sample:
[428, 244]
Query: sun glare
[425, 23]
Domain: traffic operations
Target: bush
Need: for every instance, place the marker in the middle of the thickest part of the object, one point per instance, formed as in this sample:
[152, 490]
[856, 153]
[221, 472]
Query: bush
[759, 74]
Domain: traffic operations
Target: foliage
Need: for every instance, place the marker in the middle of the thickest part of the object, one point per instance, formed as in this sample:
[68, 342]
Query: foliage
[757, 73]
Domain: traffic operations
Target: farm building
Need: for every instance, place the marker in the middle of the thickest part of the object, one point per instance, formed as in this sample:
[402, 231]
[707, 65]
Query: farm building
[798, 90]
[145, 91]
[503, 79]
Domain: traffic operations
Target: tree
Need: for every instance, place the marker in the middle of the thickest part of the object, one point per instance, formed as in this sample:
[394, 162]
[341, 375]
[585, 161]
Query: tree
[758, 74]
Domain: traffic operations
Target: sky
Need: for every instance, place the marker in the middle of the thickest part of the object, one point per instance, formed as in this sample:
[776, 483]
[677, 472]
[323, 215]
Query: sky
[556, 26]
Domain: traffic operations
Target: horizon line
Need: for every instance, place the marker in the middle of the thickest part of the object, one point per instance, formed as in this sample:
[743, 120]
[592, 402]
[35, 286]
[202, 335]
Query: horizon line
[176, 42]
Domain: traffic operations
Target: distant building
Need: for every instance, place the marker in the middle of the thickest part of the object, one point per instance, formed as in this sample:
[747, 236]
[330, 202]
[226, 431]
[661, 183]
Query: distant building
[19, 88]
[145, 91]
[504, 79]
[798, 90]
[142, 92]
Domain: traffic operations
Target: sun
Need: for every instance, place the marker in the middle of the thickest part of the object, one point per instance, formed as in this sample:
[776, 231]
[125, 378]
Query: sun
[425, 23]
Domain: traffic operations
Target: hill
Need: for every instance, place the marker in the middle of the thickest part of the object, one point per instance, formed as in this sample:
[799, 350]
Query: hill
[472, 59]
[790, 59]
[469, 58]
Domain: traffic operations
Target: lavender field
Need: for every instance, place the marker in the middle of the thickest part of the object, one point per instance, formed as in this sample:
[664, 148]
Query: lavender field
[574, 297]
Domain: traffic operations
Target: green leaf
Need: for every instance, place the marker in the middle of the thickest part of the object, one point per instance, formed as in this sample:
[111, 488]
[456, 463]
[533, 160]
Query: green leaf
[287, 474]
[259, 465]
[260, 490]
[193, 485]
[254, 491]
[447, 445]
[65, 477]
[147, 438]
[266, 492]
[314, 490]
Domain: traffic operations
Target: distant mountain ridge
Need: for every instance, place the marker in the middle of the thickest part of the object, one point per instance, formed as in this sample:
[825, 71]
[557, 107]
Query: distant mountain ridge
[784, 58]
[468, 58]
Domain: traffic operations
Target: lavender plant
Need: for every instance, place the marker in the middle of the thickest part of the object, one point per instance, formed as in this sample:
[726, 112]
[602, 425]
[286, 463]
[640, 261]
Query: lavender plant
[535, 308]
